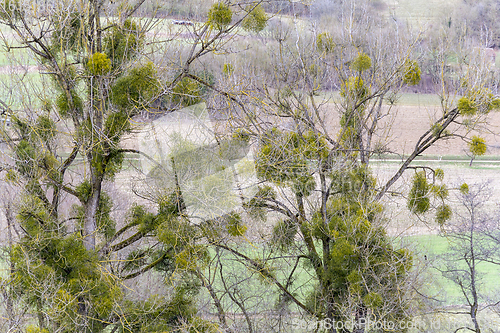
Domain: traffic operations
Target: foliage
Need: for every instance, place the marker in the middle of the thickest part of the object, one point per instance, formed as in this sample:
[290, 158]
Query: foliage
[440, 191]
[360, 252]
[72, 267]
[439, 174]
[466, 106]
[412, 73]
[123, 43]
[443, 214]
[137, 88]
[361, 63]
[45, 128]
[25, 153]
[256, 18]
[282, 159]
[219, 16]
[284, 232]
[235, 227]
[117, 124]
[70, 104]
[63, 272]
[354, 88]
[187, 92]
[228, 69]
[67, 34]
[256, 205]
[476, 101]
[34, 329]
[324, 42]
[419, 201]
[99, 64]
[157, 314]
[477, 146]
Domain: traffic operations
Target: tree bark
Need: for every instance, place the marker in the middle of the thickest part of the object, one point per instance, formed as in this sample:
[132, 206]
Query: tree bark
[90, 220]
[425, 141]
[8, 293]
[217, 302]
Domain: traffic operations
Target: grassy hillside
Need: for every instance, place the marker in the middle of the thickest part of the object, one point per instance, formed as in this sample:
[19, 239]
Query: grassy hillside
[435, 248]
[420, 11]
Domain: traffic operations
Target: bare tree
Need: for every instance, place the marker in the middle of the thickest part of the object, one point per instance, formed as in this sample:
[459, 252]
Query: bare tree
[470, 248]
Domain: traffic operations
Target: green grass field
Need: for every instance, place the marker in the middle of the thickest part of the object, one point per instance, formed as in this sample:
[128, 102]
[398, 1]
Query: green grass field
[435, 248]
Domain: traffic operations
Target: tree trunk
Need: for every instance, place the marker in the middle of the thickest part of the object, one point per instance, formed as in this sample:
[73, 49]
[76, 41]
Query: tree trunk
[217, 302]
[330, 315]
[8, 293]
[96, 115]
[360, 319]
[39, 314]
[90, 220]
[475, 305]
